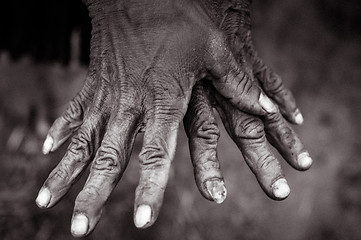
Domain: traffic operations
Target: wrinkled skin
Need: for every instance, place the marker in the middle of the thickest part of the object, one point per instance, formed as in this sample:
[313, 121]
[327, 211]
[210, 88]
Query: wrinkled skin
[150, 62]
[247, 131]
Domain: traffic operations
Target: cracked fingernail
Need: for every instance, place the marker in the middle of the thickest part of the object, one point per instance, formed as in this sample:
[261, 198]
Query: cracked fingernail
[280, 188]
[216, 189]
[142, 216]
[267, 104]
[79, 225]
[304, 160]
[43, 198]
[298, 117]
[48, 144]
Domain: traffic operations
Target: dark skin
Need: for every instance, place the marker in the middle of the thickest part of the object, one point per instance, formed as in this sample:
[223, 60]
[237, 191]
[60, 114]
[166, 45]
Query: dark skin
[247, 131]
[152, 63]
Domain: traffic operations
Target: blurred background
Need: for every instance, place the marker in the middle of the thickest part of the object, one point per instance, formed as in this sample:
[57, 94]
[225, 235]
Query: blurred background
[314, 45]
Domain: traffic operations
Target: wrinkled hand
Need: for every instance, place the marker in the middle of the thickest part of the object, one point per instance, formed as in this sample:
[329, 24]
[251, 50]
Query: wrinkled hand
[247, 131]
[145, 58]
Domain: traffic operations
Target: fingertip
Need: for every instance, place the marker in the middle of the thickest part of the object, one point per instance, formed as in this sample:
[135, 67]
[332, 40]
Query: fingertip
[48, 145]
[43, 198]
[298, 117]
[304, 160]
[79, 225]
[216, 189]
[142, 216]
[280, 189]
[267, 104]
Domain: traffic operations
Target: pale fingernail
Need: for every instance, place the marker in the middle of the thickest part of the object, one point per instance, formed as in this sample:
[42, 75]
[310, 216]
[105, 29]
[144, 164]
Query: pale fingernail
[267, 104]
[298, 117]
[79, 225]
[304, 160]
[217, 190]
[48, 144]
[43, 198]
[142, 216]
[280, 188]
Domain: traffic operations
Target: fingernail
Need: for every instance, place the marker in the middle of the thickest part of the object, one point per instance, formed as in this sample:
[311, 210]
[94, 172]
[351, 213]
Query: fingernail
[304, 160]
[217, 190]
[267, 104]
[280, 188]
[298, 117]
[79, 225]
[142, 216]
[43, 198]
[48, 144]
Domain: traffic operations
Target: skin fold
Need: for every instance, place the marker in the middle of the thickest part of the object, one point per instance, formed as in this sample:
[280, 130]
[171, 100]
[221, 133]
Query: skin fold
[153, 64]
[247, 131]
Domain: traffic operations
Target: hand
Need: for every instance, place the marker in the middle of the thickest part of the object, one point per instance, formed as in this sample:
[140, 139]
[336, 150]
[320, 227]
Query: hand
[235, 21]
[145, 60]
[247, 131]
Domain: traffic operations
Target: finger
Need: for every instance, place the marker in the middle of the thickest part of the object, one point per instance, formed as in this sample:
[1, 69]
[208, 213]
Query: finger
[71, 119]
[273, 85]
[247, 132]
[286, 141]
[78, 155]
[80, 152]
[233, 82]
[203, 134]
[155, 158]
[107, 168]
[265, 166]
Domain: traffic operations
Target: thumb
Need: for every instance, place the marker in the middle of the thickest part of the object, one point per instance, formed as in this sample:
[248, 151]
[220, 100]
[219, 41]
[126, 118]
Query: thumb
[232, 80]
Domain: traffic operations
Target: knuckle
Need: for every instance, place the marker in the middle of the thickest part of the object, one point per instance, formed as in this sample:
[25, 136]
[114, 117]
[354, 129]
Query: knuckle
[75, 111]
[267, 162]
[174, 106]
[153, 156]
[130, 97]
[199, 114]
[250, 128]
[107, 160]
[274, 118]
[169, 114]
[209, 132]
[81, 147]
[167, 105]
